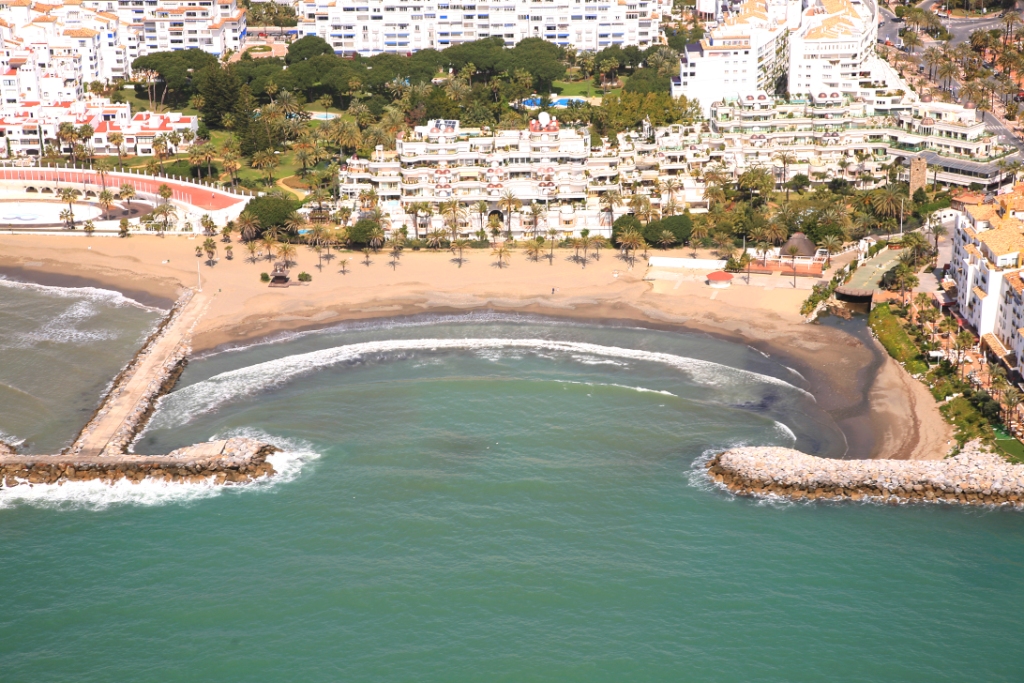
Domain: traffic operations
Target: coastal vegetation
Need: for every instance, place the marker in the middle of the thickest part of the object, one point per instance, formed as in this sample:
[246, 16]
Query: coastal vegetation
[977, 410]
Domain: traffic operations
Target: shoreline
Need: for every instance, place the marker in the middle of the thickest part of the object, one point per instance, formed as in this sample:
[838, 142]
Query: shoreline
[875, 404]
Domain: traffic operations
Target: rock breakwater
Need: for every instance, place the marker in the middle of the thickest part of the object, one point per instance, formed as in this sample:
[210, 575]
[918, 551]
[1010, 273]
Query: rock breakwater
[974, 477]
[230, 461]
[160, 380]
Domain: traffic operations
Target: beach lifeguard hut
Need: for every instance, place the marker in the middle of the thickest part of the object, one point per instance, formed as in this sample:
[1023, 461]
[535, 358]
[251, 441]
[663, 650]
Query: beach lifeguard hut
[719, 279]
[279, 277]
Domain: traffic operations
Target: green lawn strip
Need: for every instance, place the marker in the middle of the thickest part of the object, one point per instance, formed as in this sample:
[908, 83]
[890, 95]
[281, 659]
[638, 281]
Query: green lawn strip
[142, 103]
[896, 340]
[575, 88]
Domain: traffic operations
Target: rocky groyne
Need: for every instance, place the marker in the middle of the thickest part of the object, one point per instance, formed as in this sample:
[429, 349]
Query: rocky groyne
[229, 461]
[160, 382]
[100, 451]
[974, 477]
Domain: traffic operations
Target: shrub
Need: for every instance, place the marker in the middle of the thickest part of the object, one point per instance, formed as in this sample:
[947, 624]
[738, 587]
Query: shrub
[272, 210]
[305, 277]
[264, 277]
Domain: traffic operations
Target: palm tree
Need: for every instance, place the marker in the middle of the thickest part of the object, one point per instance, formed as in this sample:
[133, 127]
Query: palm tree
[640, 205]
[630, 241]
[887, 202]
[786, 159]
[89, 228]
[167, 212]
[124, 228]
[1011, 399]
[610, 200]
[252, 246]
[666, 239]
[248, 225]
[210, 247]
[793, 251]
[285, 252]
[434, 239]
[502, 254]
[268, 241]
[266, 161]
[831, 244]
[453, 212]
[536, 211]
[376, 238]
[106, 200]
[460, 244]
[698, 234]
[552, 234]
[127, 192]
[509, 203]
[117, 140]
[70, 195]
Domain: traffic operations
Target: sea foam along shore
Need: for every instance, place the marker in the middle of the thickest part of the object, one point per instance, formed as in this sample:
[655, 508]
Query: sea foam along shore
[974, 477]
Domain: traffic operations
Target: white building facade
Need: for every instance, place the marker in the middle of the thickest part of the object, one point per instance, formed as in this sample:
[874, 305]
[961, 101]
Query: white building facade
[369, 27]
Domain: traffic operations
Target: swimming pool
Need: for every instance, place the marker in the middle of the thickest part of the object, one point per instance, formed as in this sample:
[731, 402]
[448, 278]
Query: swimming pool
[43, 213]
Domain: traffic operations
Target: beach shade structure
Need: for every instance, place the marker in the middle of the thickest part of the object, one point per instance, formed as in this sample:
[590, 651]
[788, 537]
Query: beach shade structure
[279, 278]
[804, 245]
[719, 279]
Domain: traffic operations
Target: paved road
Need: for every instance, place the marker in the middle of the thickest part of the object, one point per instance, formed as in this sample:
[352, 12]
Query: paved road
[961, 30]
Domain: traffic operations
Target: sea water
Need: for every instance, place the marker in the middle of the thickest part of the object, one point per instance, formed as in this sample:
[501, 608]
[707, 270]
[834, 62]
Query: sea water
[60, 348]
[498, 498]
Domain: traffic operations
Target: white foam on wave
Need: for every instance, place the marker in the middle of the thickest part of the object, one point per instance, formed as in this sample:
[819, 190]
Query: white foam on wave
[63, 328]
[97, 495]
[425, 320]
[642, 390]
[785, 431]
[106, 296]
[186, 403]
[10, 439]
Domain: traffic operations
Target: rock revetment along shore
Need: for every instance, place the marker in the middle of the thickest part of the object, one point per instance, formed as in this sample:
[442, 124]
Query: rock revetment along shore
[974, 477]
[229, 461]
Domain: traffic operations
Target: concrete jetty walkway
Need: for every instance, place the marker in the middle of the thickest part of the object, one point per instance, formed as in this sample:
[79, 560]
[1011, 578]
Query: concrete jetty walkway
[131, 397]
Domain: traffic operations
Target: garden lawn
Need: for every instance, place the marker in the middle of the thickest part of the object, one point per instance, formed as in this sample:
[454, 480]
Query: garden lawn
[896, 340]
[575, 88]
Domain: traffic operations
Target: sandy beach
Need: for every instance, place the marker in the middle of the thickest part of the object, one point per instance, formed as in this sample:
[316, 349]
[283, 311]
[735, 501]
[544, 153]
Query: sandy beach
[884, 412]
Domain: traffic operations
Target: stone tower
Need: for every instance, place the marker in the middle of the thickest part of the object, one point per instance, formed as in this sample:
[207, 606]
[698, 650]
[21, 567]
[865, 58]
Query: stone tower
[918, 174]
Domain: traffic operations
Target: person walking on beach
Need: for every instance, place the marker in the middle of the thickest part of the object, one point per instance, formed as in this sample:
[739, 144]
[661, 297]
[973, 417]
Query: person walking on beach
[552, 291]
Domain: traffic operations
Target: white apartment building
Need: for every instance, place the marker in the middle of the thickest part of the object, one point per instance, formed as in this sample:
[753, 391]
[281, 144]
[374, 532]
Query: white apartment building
[836, 136]
[988, 254]
[547, 164]
[809, 46]
[53, 50]
[214, 26]
[369, 27]
[25, 132]
[833, 49]
[747, 52]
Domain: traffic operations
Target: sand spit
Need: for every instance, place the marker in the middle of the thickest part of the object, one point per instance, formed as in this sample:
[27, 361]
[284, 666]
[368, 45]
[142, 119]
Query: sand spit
[974, 477]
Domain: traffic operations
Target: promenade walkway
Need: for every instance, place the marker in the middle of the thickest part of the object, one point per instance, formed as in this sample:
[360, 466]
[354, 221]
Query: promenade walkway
[202, 197]
[133, 392]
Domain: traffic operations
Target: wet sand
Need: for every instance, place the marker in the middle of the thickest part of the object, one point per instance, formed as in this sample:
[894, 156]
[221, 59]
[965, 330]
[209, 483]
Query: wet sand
[883, 412]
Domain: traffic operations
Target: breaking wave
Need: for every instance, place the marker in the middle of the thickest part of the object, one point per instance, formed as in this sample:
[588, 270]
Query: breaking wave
[184, 404]
[97, 495]
[95, 294]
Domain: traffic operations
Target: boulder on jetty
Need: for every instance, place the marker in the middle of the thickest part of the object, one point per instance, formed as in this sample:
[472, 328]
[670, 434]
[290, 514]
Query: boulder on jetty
[228, 461]
[974, 477]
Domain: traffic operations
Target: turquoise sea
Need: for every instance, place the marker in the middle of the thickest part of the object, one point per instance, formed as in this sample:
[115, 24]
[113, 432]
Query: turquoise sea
[517, 499]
